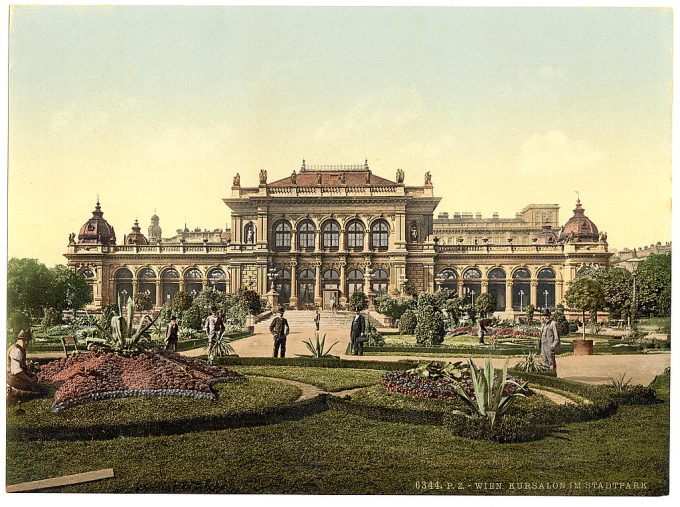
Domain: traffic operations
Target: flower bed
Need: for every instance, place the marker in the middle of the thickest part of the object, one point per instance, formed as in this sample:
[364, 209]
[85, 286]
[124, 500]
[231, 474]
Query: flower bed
[500, 332]
[440, 388]
[100, 375]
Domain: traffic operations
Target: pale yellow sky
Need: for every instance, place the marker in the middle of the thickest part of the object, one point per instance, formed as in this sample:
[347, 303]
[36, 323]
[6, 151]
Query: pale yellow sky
[158, 108]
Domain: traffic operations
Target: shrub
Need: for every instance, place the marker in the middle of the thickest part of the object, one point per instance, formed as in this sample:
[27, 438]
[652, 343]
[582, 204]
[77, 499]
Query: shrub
[143, 301]
[485, 304]
[408, 322]
[193, 317]
[251, 299]
[358, 302]
[430, 326]
[391, 307]
[375, 339]
[410, 289]
[51, 318]
[180, 301]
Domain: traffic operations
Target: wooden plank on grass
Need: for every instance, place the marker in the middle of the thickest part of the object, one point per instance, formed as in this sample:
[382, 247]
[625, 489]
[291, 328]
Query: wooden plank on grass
[64, 480]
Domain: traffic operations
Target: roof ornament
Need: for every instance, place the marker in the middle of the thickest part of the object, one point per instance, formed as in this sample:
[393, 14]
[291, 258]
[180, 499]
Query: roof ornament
[366, 164]
[303, 167]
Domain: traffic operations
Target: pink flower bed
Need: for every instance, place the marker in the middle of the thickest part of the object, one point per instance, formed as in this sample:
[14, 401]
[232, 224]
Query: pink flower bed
[95, 376]
[501, 332]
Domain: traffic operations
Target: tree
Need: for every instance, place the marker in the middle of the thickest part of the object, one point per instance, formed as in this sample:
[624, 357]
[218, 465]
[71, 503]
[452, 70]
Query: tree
[68, 289]
[485, 304]
[585, 295]
[617, 288]
[143, 301]
[653, 285]
[530, 310]
[251, 299]
[358, 302]
[410, 289]
[28, 286]
[180, 302]
[392, 307]
[430, 328]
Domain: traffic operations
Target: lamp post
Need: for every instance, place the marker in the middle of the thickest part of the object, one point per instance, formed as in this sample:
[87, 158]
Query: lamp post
[125, 296]
[521, 300]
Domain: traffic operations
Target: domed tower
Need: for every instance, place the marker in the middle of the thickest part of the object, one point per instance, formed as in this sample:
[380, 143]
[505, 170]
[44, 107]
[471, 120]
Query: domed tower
[136, 237]
[579, 228]
[97, 231]
[155, 230]
[546, 236]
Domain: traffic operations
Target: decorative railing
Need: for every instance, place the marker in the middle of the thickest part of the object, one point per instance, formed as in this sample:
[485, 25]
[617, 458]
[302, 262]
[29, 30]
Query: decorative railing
[499, 248]
[308, 191]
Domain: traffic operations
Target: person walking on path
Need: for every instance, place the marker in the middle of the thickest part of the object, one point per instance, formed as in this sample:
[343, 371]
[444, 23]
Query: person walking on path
[279, 330]
[317, 319]
[214, 326]
[172, 334]
[357, 333]
[334, 305]
[550, 340]
[481, 329]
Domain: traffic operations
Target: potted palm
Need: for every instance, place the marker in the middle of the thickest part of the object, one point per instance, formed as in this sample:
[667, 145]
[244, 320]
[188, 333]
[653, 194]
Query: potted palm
[585, 295]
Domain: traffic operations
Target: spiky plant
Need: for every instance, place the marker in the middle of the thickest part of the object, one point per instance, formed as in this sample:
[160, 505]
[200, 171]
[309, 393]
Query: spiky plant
[488, 400]
[122, 336]
[620, 383]
[532, 364]
[317, 349]
[220, 347]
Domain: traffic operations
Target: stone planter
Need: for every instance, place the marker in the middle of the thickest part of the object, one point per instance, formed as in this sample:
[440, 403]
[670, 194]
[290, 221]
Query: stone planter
[583, 347]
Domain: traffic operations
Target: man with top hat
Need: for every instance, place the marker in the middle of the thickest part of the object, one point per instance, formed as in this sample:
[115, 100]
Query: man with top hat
[550, 340]
[279, 330]
[357, 334]
[20, 380]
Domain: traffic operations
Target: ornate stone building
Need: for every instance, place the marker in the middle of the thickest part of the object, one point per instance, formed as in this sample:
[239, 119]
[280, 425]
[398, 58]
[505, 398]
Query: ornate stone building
[330, 231]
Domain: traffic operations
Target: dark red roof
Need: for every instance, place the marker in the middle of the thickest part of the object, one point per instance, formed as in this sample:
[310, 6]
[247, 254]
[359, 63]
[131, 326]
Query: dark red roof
[333, 179]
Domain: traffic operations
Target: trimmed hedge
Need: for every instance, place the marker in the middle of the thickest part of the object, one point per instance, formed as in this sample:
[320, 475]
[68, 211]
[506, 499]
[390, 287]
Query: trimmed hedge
[319, 363]
[270, 415]
[460, 351]
[387, 414]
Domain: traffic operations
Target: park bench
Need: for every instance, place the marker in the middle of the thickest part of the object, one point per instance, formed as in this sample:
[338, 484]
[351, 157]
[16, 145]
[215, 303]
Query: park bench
[69, 340]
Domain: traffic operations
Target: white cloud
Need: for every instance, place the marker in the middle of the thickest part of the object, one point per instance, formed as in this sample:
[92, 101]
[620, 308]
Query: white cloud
[555, 153]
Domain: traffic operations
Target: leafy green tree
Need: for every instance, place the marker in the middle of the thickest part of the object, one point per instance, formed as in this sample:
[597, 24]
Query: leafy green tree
[251, 299]
[143, 301]
[51, 318]
[408, 322]
[430, 328]
[653, 285]
[392, 307]
[617, 288]
[485, 304]
[180, 302]
[18, 320]
[529, 311]
[585, 295]
[358, 302]
[410, 289]
[68, 290]
[28, 286]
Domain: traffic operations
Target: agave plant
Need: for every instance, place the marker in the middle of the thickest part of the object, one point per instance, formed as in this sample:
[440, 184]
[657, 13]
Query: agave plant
[317, 349]
[220, 347]
[122, 336]
[532, 364]
[488, 400]
[620, 383]
[436, 369]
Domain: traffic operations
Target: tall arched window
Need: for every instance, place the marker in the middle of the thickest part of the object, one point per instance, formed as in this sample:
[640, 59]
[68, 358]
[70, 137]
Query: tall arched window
[282, 285]
[282, 236]
[193, 281]
[472, 284]
[306, 235]
[331, 235]
[169, 284]
[306, 282]
[448, 279]
[123, 285]
[380, 235]
[521, 289]
[217, 279]
[146, 279]
[355, 235]
[497, 287]
[380, 280]
[545, 291]
[355, 283]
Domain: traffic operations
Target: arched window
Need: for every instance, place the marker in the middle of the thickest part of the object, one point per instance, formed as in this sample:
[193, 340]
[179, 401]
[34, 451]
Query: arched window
[282, 285]
[146, 278]
[545, 291]
[355, 279]
[331, 235]
[87, 273]
[379, 235]
[169, 284]
[217, 279]
[193, 281]
[306, 282]
[380, 280]
[282, 236]
[497, 287]
[521, 289]
[472, 284]
[355, 235]
[123, 285]
[306, 234]
[448, 277]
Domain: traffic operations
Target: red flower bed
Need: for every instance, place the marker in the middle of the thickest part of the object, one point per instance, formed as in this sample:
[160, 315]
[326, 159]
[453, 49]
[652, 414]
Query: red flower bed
[459, 331]
[96, 376]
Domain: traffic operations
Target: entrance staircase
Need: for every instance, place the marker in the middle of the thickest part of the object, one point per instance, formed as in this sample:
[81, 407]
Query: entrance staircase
[304, 319]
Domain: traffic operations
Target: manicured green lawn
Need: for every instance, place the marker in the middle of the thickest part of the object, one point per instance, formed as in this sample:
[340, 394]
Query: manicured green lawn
[233, 397]
[328, 379]
[336, 452]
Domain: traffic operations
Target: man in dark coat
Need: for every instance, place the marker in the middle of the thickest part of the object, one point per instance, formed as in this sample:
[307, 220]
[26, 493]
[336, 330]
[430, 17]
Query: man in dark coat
[357, 331]
[279, 330]
[550, 340]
